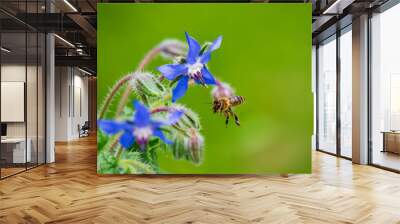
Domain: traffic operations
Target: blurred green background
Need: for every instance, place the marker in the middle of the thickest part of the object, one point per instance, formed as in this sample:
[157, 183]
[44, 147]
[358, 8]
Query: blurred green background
[265, 55]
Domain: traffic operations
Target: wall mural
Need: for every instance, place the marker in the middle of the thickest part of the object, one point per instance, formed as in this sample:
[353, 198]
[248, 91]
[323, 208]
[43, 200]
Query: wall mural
[204, 88]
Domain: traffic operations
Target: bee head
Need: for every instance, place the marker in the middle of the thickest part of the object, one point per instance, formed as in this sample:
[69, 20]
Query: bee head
[216, 106]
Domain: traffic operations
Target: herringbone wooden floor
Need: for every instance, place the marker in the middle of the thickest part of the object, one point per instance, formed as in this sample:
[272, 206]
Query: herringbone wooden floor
[70, 191]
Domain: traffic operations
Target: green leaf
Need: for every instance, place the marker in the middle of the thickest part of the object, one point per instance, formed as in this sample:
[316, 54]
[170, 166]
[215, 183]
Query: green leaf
[129, 166]
[130, 162]
[106, 162]
[102, 140]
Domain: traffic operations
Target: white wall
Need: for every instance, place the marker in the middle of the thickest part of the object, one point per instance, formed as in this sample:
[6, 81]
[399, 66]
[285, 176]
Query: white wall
[71, 102]
[16, 73]
[61, 103]
[33, 126]
[80, 110]
[9, 73]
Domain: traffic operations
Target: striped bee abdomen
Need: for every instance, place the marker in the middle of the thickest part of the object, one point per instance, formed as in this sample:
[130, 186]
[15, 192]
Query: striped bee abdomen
[236, 100]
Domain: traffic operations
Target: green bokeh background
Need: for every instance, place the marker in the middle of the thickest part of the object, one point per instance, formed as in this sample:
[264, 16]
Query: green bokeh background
[265, 55]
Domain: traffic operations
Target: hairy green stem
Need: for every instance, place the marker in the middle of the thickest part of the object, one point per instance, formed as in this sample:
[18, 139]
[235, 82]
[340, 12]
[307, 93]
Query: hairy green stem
[114, 142]
[111, 95]
[161, 109]
[149, 56]
[145, 61]
[118, 153]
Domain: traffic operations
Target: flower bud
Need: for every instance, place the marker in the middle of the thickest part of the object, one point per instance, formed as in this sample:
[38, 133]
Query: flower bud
[194, 143]
[172, 48]
[222, 90]
[145, 83]
[189, 119]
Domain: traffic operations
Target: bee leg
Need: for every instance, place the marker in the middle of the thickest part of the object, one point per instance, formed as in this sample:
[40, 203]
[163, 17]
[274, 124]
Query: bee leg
[236, 120]
[236, 117]
[227, 118]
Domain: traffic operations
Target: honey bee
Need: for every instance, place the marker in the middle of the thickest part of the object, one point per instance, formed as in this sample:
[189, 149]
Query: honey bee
[224, 105]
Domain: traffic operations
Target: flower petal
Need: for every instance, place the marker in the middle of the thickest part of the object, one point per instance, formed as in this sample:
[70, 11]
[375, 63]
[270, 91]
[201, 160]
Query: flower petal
[161, 135]
[127, 139]
[171, 71]
[204, 58]
[174, 117]
[142, 114]
[194, 49]
[180, 88]
[110, 126]
[207, 76]
[214, 46]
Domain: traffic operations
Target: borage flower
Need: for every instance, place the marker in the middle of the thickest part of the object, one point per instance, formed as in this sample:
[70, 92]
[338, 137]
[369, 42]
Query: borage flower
[141, 128]
[194, 67]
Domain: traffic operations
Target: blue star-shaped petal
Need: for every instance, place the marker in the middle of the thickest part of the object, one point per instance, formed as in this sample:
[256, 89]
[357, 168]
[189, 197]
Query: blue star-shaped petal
[140, 128]
[194, 67]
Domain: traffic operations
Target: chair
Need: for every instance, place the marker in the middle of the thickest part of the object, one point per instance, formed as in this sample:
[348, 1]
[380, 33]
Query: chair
[84, 130]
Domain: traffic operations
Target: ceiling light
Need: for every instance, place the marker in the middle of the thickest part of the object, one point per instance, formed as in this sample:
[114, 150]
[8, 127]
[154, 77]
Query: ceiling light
[65, 41]
[79, 51]
[84, 71]
[5, 50]
[70, 5]
[331, 7]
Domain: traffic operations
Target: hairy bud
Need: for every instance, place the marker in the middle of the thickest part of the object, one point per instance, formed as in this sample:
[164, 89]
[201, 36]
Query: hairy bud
[194, 143]
[172, 48]
[145, 83]
[189, 119]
